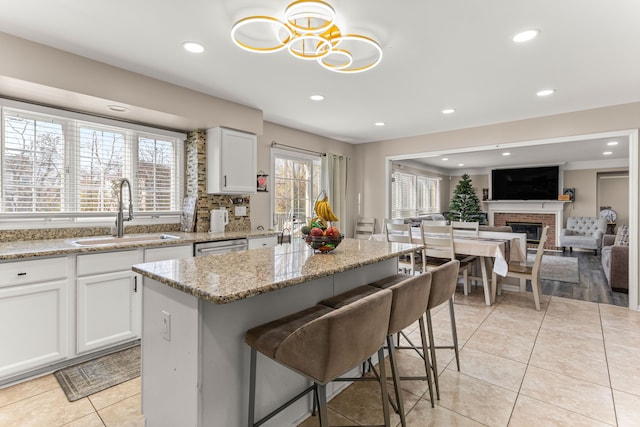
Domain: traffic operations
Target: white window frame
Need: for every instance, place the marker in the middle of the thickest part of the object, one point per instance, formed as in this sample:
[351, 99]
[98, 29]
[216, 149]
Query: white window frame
[9, 220]
[412, 209]
[291, 155]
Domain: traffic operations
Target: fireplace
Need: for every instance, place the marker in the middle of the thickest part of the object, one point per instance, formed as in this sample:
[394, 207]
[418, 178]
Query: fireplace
[533, 229]
[545, 213]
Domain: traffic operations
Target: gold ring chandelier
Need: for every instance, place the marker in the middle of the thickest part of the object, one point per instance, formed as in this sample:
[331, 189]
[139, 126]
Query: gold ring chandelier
[308, 32]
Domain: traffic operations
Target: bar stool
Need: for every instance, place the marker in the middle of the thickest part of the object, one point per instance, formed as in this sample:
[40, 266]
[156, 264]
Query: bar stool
[443, 287]
[321, 344]
[410, 297]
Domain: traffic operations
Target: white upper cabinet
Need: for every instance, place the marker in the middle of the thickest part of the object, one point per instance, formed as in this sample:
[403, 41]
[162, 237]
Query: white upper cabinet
[231, 161]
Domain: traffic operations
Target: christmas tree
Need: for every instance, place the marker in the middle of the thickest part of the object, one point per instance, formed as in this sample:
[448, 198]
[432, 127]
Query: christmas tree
[465, 205]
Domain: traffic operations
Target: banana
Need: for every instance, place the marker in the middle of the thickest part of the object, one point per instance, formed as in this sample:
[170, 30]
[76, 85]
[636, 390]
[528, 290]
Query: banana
[328, 212]
[323, 210]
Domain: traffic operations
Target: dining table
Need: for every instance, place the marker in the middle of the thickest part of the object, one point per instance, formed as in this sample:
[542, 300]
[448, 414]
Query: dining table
[495, 250]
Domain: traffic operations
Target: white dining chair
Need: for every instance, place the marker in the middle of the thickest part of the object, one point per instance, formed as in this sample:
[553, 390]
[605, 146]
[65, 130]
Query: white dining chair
[439, 248]
[531, 272]
[401, 233]
[468, 228]
[471, 227]
[365, 227]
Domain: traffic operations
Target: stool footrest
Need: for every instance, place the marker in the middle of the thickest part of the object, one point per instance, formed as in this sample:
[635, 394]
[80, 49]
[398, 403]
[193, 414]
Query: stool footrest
[284, 405]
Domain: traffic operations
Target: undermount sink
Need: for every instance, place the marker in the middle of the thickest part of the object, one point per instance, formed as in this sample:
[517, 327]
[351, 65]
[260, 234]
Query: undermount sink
[111, 240]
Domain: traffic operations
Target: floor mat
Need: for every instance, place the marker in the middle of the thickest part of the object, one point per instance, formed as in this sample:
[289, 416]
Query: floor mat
[95, 375]
[558, 268]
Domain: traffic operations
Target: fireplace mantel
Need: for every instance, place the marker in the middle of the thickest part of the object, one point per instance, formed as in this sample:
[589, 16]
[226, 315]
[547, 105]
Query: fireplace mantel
[555, 207]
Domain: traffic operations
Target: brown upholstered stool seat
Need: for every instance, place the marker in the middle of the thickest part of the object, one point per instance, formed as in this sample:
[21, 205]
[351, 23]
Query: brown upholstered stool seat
[268, 337]
[348, 297]
[390, 280]
[323, 343]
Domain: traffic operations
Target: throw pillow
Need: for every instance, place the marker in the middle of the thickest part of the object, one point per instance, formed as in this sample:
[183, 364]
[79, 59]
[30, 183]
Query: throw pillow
[622, 236]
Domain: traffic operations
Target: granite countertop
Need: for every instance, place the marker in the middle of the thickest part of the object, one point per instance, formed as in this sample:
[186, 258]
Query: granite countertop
[24, 249]
[225, 278]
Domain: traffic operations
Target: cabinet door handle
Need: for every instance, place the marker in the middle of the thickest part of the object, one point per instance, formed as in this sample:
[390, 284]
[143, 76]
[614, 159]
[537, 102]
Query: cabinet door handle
[135, 283]
[225, 180]
[22, 274]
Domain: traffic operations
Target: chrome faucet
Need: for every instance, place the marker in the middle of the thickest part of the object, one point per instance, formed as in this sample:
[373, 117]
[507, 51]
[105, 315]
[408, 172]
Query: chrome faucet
[120, 218]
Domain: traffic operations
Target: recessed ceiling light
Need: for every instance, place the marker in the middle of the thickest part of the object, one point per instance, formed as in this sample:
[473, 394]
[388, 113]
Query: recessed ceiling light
[460, 164]
[506, 154]
[193, 47]
[612, 143]
[525, 36]
[118, 108]
[380, 123]
[316, 97]
[606, 153]
[546, 92]
[448, 111]
[444, 159]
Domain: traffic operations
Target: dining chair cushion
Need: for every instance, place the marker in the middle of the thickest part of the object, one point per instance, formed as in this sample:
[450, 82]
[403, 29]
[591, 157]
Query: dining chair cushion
[334, 343]
[443, 283]
[517, 268]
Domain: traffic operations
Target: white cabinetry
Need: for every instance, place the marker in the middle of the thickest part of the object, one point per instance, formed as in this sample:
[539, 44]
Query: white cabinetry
[263, 242]
[231, 161]
[108, 299]
[34, 315]
[168, 252]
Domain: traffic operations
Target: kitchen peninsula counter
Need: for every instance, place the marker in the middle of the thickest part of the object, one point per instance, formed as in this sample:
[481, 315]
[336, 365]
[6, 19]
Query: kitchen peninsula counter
[195, 364]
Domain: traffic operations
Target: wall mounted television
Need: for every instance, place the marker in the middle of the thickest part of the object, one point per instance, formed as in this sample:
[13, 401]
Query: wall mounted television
[539, 183]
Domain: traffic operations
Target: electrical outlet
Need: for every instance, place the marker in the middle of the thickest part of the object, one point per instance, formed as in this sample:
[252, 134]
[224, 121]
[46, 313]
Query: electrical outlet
[166, 325]
[240, 211]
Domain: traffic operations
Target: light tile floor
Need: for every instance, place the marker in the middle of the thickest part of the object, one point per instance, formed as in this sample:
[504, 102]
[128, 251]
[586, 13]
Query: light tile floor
[574, 363]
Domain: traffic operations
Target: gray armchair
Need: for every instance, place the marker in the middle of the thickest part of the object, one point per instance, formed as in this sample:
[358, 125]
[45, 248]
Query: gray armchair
[583, 232]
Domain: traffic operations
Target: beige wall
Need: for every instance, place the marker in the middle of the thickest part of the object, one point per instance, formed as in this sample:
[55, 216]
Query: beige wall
[585, 183]
[613, 190]
[260, 203]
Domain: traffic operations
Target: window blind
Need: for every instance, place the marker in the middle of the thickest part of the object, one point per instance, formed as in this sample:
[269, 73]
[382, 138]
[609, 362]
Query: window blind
[57, 165]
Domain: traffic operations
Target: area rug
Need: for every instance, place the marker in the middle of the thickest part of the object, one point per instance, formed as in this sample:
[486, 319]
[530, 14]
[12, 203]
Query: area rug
[558, 268]
[95, 375]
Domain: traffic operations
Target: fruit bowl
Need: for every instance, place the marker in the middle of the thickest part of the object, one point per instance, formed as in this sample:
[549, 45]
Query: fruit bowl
[323, 244]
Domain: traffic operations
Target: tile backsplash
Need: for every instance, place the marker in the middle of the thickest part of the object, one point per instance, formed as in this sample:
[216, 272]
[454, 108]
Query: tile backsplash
[196, 177]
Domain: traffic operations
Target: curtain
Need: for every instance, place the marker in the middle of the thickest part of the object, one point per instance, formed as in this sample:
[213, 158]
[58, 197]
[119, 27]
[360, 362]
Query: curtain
[334, 181]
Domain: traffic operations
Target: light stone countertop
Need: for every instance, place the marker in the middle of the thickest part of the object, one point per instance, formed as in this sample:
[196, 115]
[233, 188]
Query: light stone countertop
[229, 277]
[25, 249]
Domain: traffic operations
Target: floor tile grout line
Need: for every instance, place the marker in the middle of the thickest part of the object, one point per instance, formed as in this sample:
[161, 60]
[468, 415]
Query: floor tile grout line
[606, 357]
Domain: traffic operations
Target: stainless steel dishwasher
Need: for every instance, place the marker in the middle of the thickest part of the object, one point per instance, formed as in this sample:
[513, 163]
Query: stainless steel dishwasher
[220, 247]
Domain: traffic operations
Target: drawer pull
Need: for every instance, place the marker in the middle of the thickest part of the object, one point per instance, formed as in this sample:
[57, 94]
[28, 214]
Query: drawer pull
[22, 274]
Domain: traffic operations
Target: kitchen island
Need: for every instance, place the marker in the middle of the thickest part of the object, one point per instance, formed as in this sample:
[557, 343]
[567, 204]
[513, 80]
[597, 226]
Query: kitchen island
[195, 364]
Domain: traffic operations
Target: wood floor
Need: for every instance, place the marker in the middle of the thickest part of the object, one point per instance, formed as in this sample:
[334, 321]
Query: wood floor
[593, 284]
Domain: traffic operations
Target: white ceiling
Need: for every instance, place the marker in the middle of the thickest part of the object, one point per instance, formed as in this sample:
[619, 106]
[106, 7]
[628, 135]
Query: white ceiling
[437, 54]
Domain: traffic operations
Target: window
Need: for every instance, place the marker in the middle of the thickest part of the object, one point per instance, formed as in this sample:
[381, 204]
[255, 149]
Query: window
[413, 195]
[58, 164]
[296, 184]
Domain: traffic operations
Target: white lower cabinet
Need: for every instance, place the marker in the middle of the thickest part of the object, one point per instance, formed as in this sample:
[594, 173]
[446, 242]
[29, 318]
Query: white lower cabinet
[168, 252]
[109, 302]
[34, 314]
[50, 313]
[263, 242]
